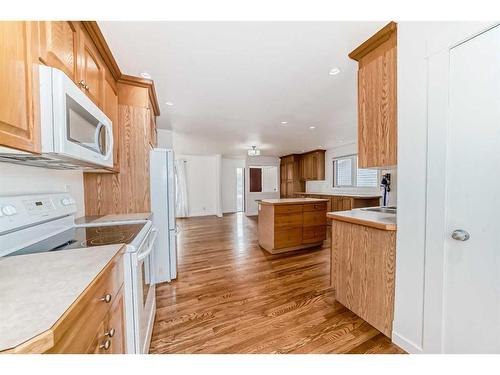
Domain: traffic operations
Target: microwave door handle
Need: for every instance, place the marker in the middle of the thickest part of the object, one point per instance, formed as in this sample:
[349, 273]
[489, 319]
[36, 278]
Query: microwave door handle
[109, 135]
[111, 142]
[144, 254]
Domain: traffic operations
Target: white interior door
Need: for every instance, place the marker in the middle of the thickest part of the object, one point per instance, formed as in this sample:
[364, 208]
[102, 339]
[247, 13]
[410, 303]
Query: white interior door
[471, 293]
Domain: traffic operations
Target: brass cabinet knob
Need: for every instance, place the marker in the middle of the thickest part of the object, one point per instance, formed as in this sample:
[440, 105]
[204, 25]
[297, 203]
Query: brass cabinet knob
[106, 298]
[105, 345]
[110, 333]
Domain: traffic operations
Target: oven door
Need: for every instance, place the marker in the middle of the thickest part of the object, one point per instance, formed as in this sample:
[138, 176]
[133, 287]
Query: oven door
[80, 129]
[145, 292]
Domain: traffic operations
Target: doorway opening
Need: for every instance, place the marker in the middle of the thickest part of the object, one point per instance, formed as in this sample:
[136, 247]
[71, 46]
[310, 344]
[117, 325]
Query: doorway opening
[240, 189]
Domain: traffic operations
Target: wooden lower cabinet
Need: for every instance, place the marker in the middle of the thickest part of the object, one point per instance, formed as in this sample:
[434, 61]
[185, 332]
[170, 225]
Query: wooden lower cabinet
[110, 337]
[363, 271]
[287, 227]
[94, 323]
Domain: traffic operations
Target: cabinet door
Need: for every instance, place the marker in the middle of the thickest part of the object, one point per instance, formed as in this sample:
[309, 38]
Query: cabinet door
[110, 108]
[283, 172]
[92, 69]
[115, 327]
[59, 46]
[377, 122]
[289, 171]
[19, 120]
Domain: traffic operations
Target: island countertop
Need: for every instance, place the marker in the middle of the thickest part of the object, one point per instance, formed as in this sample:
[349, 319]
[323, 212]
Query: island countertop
[286, 201]
[379, 220]
[36, 289]
[348, 195]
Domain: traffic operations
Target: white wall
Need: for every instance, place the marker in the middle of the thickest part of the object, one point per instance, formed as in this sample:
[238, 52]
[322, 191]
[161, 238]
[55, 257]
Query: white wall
[416, 42]
[165, 138]
[258, 161]
[229, 183]
[326, 185]
[201, 175]
[19, 179]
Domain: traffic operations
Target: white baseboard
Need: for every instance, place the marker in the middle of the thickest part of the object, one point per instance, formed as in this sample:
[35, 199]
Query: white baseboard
[406, 344]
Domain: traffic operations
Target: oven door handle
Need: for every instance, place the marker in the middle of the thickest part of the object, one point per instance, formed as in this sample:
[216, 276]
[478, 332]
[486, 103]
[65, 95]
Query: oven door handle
[143, 255]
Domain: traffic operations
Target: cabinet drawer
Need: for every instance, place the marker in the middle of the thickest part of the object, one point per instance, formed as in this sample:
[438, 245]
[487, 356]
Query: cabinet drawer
[287, 238]
[77, 329]
[110, 338]
[288, 220]
[314, 234]
[313, 218]
[321, 206]
[293, 208]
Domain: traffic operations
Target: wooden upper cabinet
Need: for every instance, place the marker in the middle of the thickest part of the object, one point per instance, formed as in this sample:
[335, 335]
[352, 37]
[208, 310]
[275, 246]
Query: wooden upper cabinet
[92, 71]
[19, 109]
[377, 100]
[59, 46]
[312, 165]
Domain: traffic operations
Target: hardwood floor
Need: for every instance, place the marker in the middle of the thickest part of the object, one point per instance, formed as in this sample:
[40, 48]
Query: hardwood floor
[231, 296]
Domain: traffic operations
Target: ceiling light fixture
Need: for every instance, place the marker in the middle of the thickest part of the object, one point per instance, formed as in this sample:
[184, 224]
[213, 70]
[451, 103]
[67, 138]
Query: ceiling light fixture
[284, 122]
[170, 104]
[334, 71]
[253, 151]
[312, 127]
[146, 75]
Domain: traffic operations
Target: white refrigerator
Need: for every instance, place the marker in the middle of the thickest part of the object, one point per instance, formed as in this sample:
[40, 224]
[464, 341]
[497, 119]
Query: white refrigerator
[162, 173]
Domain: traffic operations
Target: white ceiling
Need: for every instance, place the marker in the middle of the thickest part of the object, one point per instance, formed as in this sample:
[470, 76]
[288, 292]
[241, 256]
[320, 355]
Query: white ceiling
[232, 83]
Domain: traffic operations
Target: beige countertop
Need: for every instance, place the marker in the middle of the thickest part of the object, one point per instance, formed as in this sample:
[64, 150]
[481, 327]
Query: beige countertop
[358, 196]
[379, 220]
[291, 201]
[36, 289]
[112, 218]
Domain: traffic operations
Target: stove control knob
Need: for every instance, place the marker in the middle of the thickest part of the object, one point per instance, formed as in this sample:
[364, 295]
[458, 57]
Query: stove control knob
[9, 210]
[66, 201]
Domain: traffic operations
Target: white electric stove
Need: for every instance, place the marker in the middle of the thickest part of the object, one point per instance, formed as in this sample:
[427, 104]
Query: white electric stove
[45, 223]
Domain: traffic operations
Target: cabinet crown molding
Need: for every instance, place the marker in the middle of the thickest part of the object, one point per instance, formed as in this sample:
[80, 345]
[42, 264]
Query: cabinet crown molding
[376, 40]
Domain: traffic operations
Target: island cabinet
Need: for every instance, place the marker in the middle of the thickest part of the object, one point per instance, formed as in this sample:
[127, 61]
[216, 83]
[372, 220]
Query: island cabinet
[291, 224]
[363, 270]
[377, 100]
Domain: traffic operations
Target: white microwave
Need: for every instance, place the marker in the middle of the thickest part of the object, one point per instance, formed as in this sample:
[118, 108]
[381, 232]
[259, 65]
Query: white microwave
[75, 133]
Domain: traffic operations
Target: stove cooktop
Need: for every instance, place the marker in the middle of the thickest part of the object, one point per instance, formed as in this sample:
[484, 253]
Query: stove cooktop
[84, 237]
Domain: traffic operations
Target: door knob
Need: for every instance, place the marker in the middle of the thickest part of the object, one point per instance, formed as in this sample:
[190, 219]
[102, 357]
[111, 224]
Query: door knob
[460, 235]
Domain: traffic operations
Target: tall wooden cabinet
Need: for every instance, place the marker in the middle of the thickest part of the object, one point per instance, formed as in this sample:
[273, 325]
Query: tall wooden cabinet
[19, 108]
[290, 177]
[377, 100]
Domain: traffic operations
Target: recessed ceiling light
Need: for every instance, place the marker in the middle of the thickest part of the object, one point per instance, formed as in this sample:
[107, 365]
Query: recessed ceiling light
[170, 104]
[146, 75]
[334, 71]
[312, 127]
[284, 122]
[341, 141]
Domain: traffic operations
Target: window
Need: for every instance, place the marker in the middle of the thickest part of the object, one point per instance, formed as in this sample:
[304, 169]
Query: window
[347, 174]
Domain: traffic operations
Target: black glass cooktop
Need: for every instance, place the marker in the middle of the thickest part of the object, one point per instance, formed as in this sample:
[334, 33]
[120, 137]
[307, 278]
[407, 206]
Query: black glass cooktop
[76, 238]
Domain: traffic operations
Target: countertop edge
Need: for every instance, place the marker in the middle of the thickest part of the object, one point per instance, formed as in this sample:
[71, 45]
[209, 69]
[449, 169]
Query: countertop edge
[359, 221]
[357, 196]
[300, 201]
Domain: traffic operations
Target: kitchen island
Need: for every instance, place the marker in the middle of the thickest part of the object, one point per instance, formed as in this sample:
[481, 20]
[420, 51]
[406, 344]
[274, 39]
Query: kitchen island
[291, 224]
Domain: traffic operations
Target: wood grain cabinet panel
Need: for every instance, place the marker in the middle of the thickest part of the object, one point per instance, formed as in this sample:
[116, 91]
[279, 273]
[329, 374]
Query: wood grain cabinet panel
[362, 272]
[92, 70]
[288, 227]
[59, 46]
[377, 100]
[290, 177]
[19, 109]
